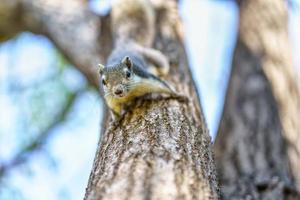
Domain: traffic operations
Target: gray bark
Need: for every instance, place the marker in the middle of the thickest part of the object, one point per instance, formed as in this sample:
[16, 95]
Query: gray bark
[257, 147]
[161, 149]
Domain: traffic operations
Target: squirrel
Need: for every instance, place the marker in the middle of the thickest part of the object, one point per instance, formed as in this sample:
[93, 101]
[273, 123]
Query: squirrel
[127, 74]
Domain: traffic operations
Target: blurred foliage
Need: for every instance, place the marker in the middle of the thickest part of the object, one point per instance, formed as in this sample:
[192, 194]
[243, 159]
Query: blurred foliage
[40, 103]
[38, 89]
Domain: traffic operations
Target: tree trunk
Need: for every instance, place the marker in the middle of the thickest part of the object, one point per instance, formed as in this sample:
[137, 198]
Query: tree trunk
[257, 147]
[161, 149]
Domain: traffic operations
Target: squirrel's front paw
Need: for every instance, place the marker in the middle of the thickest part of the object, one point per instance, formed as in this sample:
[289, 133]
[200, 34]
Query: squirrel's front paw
[115, 119]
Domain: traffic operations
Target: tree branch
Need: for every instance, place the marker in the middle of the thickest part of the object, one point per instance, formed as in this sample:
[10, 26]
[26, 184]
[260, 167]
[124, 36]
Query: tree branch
[69, 24]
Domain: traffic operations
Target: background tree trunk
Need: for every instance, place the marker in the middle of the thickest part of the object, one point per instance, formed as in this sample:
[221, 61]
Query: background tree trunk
[161, 149]
[257, 147]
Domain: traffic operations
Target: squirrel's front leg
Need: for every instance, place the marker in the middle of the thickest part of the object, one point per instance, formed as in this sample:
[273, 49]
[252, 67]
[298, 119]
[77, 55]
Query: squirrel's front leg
[116, 112]
[116, 109]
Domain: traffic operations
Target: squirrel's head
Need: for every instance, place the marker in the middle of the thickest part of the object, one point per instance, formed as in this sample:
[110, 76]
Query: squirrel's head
[117, 80]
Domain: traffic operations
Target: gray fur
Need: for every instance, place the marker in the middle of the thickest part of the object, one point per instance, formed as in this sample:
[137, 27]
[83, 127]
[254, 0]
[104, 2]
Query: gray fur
[139, 67]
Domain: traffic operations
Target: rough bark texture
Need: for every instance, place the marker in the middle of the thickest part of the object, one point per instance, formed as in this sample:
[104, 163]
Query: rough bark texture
[161, 149]
[257, 147]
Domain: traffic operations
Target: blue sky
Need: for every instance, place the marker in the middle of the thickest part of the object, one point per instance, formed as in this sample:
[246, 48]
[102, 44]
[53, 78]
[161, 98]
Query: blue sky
[61, 169]
[209, 43]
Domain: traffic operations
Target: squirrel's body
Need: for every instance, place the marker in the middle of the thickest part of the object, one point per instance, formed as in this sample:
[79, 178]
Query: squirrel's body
[128, 73]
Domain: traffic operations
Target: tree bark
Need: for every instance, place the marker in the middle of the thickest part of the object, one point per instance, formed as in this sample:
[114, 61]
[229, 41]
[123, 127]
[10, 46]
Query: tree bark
[161, 149]
[258, 144]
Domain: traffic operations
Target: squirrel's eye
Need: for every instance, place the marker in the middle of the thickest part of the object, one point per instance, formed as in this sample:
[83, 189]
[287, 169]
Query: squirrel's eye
[104, 82]
[128, 74]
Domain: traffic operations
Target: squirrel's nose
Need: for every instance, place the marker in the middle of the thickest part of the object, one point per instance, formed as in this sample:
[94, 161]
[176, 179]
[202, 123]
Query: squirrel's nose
[118, 91]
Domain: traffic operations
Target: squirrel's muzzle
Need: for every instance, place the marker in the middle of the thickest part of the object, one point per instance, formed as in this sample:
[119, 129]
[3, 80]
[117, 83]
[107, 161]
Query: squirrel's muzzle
[119, 90]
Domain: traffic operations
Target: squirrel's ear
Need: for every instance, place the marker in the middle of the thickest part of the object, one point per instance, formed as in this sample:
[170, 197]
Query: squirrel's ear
[101, 68]
[127, 61]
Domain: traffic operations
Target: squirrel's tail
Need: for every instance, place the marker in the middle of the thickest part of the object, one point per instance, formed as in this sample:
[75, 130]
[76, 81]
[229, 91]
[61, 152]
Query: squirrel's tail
[133, 20]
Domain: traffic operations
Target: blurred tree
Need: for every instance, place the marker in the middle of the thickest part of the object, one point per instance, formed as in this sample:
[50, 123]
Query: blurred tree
[258, 145]
[36, 143]
[141, 156]
[70, 25]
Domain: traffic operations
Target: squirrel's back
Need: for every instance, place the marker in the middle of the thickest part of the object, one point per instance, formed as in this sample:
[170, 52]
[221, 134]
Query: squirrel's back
[133, 20]
[119, 53]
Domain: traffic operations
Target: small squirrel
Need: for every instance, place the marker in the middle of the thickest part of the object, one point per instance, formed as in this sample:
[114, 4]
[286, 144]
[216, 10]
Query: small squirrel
[127, 75]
